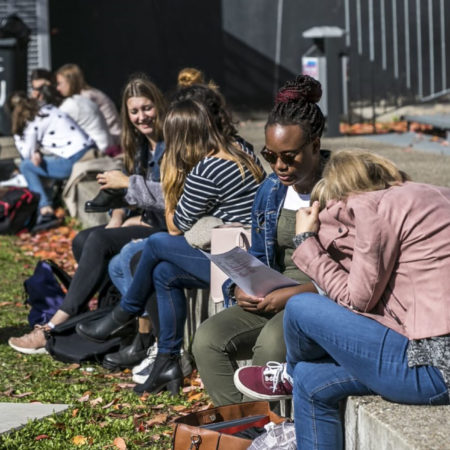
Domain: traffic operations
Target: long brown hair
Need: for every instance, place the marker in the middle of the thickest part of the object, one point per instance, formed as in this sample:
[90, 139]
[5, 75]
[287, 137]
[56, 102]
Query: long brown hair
[23, 110]
[75, 78]
[140, 86]
[354, 171]
[191, 134]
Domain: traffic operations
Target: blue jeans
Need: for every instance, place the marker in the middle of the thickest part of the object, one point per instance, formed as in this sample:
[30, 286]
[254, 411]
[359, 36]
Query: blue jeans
[51, 167]
[333, 353]
[168, 264]
[119, 267]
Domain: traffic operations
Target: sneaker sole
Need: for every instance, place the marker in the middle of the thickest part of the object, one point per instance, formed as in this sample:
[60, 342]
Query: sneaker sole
[29, 351]
[256, 395]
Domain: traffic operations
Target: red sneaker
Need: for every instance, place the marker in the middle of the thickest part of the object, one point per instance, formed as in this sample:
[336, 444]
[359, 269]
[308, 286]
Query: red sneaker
[269, 382]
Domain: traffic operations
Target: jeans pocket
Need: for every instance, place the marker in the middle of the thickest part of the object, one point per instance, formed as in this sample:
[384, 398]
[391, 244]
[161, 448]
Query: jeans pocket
[440, 399]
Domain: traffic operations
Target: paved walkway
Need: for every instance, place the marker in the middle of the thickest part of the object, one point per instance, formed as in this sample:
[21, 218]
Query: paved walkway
[16, 415]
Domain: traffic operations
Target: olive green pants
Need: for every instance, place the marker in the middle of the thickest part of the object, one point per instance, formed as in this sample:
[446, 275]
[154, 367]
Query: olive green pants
[231, 335]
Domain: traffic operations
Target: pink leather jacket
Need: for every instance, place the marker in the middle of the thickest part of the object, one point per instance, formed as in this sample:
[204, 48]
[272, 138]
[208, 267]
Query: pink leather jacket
[386, 255]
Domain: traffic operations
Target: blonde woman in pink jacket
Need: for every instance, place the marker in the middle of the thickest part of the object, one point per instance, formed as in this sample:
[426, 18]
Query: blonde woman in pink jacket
[379, 246]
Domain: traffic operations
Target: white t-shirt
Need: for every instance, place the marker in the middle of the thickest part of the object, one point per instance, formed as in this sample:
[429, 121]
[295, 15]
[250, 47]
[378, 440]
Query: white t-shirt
[294, 200]
[108, 109]
[87, 115]
[52, 131]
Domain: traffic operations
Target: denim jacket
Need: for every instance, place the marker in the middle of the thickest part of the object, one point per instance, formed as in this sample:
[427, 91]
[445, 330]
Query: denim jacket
[266, 210]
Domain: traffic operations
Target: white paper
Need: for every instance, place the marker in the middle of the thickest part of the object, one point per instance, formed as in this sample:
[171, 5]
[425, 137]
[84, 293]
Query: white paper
[249, 273]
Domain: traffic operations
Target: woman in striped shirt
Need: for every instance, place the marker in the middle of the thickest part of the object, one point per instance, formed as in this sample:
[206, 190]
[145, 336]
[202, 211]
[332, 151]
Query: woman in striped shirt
[206, 172]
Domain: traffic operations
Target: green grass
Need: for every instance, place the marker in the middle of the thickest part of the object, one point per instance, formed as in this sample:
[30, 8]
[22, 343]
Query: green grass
[102, 406]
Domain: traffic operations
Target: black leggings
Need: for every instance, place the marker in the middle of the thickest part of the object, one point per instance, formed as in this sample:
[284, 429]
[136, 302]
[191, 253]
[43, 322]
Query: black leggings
[93, 248]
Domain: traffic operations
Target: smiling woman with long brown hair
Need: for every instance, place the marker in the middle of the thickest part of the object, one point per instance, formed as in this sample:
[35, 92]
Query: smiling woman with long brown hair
[143, 111]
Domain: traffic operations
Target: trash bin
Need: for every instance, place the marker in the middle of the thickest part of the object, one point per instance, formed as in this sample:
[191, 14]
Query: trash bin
[14, 38]
[325, 61]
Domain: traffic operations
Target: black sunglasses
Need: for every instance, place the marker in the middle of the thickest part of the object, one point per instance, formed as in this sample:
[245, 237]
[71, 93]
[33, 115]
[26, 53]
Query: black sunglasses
[286, 157]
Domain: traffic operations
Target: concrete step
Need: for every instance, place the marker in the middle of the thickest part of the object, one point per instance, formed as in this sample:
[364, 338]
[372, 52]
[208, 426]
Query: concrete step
[16, 415]
[372, 423]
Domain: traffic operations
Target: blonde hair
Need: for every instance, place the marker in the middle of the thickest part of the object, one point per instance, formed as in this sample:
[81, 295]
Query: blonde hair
[139, 85]
[191, 134]
[353, 171]
[75, 78]
[189, 76]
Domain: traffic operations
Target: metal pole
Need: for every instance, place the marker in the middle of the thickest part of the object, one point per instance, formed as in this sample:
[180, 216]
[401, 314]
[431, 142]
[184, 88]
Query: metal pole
[443, 53]
[276, 78]
[430, 44]
[359, 26]
[395, 36]
[371, 33]
[347, 24]
[407, 49]
[383, 34]
[419, 50]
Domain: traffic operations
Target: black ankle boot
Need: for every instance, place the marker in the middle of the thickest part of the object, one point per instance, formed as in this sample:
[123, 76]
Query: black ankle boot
[130, 355]
[166, 374]
[107, 199]
[100, 330]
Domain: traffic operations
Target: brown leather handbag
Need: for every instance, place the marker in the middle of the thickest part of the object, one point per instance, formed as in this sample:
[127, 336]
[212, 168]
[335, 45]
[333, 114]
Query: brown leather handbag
[213, 428]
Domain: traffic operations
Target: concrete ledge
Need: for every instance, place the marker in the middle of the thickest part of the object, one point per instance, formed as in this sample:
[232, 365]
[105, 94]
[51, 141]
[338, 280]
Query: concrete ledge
[16, 415]
[7, 148]
[372, 423]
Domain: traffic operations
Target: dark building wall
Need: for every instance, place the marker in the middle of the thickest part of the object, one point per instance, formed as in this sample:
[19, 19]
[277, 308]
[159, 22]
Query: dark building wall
[110, 39]
[250, 38]
[235, 43]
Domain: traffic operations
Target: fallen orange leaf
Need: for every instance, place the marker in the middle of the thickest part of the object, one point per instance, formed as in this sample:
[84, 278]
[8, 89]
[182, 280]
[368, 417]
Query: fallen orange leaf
[120, 443]
[79, 440]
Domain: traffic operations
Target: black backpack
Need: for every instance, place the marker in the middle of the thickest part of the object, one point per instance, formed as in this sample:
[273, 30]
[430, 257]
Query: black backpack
[18, 209]
[64, 344]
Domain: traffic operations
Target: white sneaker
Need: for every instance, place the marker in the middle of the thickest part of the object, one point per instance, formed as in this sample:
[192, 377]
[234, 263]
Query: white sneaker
[140, 377]
[17, 180]
[142, 366]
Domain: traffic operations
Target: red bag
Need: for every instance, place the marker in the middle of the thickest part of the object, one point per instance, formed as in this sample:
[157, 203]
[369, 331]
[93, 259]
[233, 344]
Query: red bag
[18, 209]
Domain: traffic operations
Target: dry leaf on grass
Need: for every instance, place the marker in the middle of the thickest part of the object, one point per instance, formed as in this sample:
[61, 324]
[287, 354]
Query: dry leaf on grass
[79, 440]
[41, 436]
[120, 443]
[96, 401]
[159, 419]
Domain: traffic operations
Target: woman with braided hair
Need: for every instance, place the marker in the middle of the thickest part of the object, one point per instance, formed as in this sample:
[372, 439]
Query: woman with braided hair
[253, 328]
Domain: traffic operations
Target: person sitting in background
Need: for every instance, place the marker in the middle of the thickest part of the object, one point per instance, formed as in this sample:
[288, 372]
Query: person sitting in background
[38, 78]
[71, 82]
[380, 249]
[143, 111]
[84, 111]
[50, 143]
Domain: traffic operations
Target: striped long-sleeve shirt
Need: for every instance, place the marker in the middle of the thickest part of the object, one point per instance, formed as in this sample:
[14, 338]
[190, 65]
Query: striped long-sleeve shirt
[216, 187]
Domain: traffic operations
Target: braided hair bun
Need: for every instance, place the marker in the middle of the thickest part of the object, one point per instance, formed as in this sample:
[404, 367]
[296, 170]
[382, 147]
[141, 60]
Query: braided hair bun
[303, 87]
[296, 104]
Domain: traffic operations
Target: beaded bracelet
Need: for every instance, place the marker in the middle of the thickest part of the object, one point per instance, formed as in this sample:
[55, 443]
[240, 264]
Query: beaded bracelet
[300, 238]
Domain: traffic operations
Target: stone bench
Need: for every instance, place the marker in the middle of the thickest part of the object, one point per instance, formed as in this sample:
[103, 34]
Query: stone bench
[372, 423]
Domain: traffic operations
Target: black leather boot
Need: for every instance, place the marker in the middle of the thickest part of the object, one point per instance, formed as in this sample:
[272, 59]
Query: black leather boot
[130, 355]
[166, 374]
[110, 325]
[107, 199]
